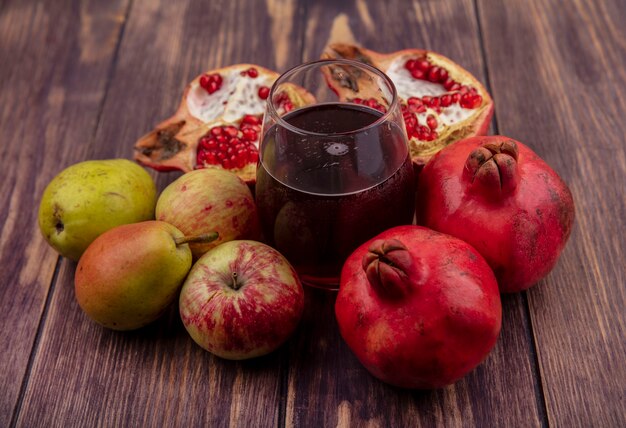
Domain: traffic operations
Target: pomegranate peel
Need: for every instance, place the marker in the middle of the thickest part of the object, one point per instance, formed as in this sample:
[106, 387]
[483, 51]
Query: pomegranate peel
[441, 102]
[218, 122]
[499, 188]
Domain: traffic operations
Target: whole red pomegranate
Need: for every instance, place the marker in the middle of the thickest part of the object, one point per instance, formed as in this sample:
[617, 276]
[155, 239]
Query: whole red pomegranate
[218, 122]
[441, 101]
[496, 194]
[418, 308]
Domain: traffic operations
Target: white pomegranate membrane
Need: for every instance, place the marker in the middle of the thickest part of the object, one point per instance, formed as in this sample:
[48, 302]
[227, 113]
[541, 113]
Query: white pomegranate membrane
[237, 95]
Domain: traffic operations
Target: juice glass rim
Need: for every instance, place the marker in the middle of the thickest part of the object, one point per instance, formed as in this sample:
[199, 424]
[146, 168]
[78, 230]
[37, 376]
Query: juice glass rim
[320, 63]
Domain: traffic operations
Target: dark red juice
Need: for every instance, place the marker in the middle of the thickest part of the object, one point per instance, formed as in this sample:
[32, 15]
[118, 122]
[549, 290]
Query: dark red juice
[321, 196]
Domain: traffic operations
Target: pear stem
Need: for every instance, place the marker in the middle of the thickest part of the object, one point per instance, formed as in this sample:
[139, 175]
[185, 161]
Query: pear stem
[197, 239]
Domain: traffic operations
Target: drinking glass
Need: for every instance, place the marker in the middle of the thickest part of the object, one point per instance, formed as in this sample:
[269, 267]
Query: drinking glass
[334, 165]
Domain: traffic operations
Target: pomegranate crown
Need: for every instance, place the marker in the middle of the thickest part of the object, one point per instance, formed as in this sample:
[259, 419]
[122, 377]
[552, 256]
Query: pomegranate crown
[491, 168]
[387, 266]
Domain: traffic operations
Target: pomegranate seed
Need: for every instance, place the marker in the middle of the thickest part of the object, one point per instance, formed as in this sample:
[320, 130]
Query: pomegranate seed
[222, 147]
[250, 135]
[288, 106]
[418, 74]
[423, 64]
[465, 100]
[216, 131]
[231, 131]
[427, 99]
[414, 101]
[221, 138]
[254, 156]
[434, 103]
[204, 81]
[201, 156]
[211, 158]
[464, 90]
[455, 87]
[252, 72]
[264, 92]
[470, 101]
[422, 136]
[207, 143]
[446, 100]
[433, 74]
[456, 97]
[226, 163]
[251, 120]
[410, 64]
[431, 121]
[448, 83]
[443, 75]
[434, 135]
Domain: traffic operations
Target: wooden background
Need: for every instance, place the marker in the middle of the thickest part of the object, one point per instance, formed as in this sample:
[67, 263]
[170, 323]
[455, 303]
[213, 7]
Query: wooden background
[82, 80]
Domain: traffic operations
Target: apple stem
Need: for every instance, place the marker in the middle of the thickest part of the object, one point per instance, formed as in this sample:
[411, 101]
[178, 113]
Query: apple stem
[197, 239]
[235, 284]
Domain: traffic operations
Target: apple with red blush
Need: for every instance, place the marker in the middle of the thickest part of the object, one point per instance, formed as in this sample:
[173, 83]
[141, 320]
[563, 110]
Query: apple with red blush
[209, 200]
[241, 299]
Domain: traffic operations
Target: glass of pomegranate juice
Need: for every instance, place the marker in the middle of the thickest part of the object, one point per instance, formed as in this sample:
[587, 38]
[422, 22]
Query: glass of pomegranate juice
[334, 167]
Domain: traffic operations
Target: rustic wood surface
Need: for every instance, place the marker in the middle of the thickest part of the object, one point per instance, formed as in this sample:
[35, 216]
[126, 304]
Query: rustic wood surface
[82, 80]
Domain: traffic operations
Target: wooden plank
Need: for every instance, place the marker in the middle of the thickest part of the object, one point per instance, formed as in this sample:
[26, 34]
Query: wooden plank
[157, 376]
[326, 385]
[48, 115]
[558, 78]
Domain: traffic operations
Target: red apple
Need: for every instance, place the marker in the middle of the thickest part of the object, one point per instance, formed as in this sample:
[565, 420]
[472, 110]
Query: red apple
[242, 299]
[209, 200]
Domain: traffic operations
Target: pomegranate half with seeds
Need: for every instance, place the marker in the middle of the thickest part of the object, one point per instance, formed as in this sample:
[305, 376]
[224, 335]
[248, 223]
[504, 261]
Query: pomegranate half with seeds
[218, 122]
[441, 102]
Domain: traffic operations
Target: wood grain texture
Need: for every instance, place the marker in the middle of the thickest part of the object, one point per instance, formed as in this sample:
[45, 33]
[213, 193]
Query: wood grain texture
[327, 386]
[84, 375]
[558, 79]
[51, 89]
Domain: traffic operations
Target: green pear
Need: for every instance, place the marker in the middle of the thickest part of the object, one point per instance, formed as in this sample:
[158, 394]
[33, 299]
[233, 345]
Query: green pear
[130, 274]
[91, 197]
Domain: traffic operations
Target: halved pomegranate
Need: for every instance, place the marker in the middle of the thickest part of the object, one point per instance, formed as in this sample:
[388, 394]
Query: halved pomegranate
[218, 122]
[441, 102]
